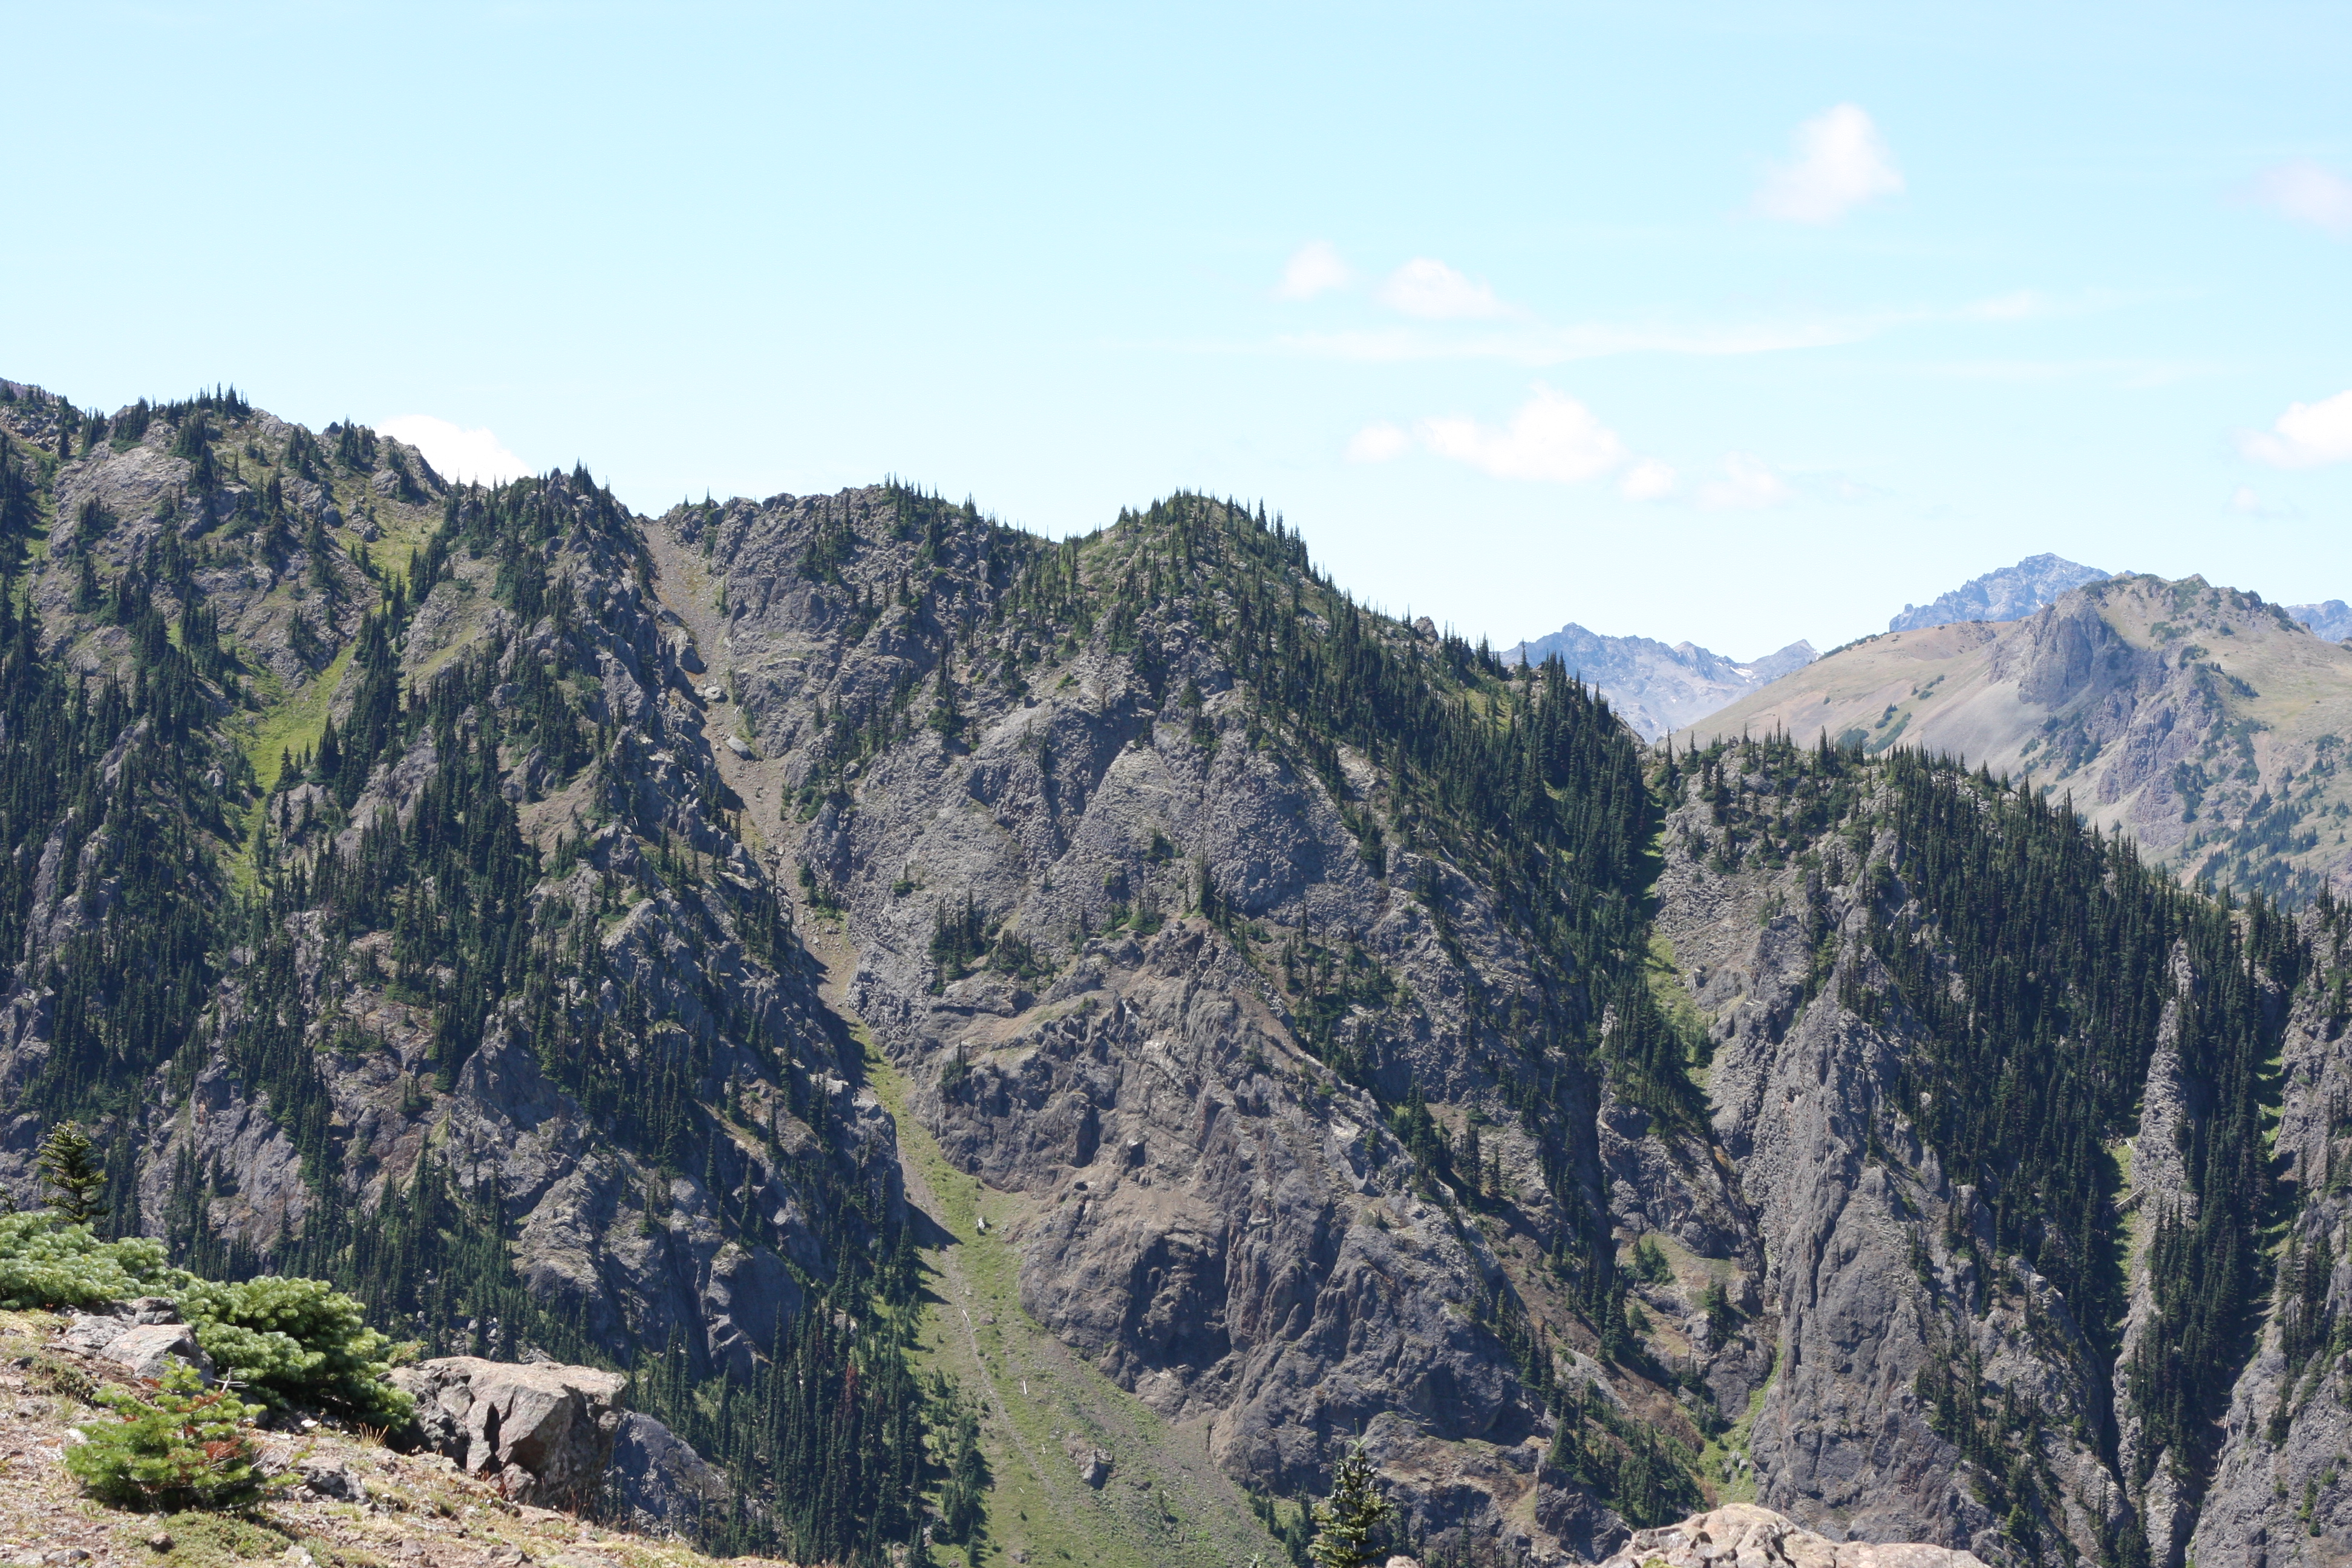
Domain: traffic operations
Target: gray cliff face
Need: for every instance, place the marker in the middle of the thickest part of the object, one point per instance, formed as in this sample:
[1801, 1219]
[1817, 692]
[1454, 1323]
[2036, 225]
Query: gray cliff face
[2009, 593]
[1850, 1291]
[1221, 1224]
[1861, 1268]
[2282, 1490]
[1654, 687]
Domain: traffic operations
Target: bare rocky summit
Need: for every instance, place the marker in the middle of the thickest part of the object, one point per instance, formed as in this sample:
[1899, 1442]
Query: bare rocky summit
[2011, 594]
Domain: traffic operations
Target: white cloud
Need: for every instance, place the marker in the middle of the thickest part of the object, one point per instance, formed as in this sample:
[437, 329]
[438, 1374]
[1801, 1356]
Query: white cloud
[1748, 484]
[1377, 444]
[1552, 437]
[1842, 162]
[2247, 501]
[1427, 288]
[1315, 268]
[2307, 192]
[456, 454]
[1648, 480]
[2307, 435]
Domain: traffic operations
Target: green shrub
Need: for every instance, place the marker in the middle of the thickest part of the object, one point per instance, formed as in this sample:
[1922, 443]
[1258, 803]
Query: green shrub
[184, 1447]
[290, 1342]
[296, 1342]
[45, 1264]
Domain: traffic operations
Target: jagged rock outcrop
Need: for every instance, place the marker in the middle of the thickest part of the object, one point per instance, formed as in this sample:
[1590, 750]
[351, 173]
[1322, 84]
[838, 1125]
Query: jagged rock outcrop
[545, 1432]
[1744, 1535]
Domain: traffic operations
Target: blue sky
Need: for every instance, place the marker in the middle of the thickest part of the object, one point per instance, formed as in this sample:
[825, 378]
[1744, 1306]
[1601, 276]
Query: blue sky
[1734, 323]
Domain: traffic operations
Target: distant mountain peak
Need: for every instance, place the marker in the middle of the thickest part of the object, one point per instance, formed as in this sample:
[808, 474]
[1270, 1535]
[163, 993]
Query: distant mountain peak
[1657, 686]
[2011, 594]
[2330, 618]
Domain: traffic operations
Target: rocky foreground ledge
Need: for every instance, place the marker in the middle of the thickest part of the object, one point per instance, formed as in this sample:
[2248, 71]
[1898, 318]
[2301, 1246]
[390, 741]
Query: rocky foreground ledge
[495, 1443]
[1741, 1535]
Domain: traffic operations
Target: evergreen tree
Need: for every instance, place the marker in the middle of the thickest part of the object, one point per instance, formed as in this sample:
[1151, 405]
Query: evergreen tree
[1351, 1529]
[67, 1169]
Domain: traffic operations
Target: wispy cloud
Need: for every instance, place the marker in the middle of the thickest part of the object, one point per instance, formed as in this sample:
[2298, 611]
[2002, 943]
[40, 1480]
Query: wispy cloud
[1749, 484]
[1379, 442]
[1648, 480]
[1554, 438]
[1551, 437]
[454, 453]
[1314, 268]
[2133, 374]
[1841, 162]
[1427, 288]
[2306, 192]
[2307, 435]
[2247, 501]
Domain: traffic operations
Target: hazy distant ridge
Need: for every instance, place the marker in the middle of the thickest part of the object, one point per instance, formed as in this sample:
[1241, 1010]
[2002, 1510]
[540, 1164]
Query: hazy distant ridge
[2331, 618]
[1654, 687]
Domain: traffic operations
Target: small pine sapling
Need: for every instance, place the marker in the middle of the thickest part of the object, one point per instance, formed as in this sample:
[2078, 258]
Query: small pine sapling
[182, 1447]
[67, 1169]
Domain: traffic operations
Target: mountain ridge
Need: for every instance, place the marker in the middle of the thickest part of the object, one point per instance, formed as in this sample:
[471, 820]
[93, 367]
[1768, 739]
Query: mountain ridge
[2204, 720]
[1346, 1036]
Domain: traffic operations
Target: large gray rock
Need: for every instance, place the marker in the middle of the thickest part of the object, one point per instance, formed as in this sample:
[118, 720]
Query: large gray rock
[1754, 1537]
[144, 1349]
[543, 1430]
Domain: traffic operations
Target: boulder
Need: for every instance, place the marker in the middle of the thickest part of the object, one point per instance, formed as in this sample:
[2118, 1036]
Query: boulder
[134, 1342]
[1754, 1537]
[336, 1481]
[545, 1431]
[148, 1348]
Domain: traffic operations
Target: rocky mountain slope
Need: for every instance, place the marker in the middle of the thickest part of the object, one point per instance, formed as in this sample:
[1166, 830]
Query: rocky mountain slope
[2009, 593]
[2206, 723]
[1654, 687]
[790, 947]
